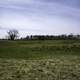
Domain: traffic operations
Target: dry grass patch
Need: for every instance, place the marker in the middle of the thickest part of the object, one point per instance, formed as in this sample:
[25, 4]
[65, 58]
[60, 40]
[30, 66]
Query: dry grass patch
[58, 68]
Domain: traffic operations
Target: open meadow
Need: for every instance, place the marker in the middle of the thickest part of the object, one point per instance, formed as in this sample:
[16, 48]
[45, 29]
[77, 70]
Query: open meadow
[40, 60]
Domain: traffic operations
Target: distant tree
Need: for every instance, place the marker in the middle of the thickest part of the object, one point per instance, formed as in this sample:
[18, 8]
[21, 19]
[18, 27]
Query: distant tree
[78, 36]
[71, 36]
[13, 34]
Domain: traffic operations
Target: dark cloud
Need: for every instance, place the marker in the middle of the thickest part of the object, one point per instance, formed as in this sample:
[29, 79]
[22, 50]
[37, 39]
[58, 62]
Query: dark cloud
[72, 3]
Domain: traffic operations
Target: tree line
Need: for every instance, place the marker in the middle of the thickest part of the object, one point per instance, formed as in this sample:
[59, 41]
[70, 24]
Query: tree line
[51, 37]
[14, 34]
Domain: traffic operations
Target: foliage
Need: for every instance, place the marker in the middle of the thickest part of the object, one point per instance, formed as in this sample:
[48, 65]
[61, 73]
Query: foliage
[52, 37]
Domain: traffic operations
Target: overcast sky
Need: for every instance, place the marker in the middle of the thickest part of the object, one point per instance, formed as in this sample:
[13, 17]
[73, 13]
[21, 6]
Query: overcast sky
[45, 17]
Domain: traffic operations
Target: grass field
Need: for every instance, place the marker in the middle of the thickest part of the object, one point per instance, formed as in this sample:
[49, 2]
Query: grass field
[40, 60]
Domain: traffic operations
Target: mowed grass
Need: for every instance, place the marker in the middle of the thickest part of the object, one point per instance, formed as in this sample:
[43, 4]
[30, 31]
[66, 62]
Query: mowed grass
[40, 60]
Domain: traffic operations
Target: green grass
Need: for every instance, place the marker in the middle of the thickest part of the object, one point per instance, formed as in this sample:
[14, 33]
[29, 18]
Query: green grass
[38, 49]
[40, 60]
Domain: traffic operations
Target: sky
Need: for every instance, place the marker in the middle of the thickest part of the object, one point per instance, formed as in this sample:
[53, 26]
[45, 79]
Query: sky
[40, 17]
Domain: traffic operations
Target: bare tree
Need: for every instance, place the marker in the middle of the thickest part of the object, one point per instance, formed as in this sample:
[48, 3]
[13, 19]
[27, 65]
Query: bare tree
[13, 34]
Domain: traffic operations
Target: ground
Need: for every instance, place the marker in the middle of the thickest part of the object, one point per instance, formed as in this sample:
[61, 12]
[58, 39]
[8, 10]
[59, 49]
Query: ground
[40, 60]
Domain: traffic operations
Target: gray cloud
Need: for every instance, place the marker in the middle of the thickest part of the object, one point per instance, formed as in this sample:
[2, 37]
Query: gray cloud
[40, 15]
[43, 8]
